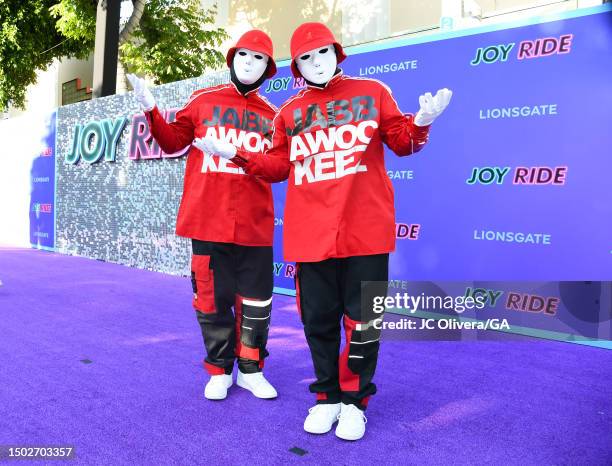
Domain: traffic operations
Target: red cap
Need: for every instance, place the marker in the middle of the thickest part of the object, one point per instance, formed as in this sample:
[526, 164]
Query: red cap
[311, 36]
[257, 41]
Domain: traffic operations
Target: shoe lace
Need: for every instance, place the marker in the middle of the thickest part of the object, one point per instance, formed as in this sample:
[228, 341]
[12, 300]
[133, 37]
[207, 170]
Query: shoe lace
[258, 378]
[217, 379]
[314, 408]
[353, 410]
[318, 407]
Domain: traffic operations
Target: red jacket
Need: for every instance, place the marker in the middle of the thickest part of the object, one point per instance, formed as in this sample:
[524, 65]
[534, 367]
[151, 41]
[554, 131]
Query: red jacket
[220, 202]
[329, 143]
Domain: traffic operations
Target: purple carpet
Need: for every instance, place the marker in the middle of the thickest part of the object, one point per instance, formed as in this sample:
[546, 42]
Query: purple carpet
[107, 359]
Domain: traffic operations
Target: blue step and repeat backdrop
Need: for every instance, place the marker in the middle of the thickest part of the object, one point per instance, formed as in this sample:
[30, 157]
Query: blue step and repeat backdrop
[515, 181]
[512, 193]
[42, 193]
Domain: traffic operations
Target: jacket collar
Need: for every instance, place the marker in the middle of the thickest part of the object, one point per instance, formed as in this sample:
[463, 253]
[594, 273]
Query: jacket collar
[335, 78]
[251, 92]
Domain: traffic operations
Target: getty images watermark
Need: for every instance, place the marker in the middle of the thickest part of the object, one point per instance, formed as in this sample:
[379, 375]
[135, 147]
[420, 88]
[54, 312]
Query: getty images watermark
[424, 310]
[407, 303]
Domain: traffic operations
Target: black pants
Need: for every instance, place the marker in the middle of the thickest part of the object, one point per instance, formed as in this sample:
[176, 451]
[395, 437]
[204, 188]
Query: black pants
[226, 276]
[328, 292]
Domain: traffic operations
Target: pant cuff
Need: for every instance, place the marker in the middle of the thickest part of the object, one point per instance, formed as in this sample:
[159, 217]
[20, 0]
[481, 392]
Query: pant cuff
[362, 403]
[217, 370]
[248, 366]
[327, 398]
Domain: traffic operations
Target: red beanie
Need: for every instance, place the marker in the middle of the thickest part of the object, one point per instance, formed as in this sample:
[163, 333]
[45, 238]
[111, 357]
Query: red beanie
[310, 36]
[257, 41]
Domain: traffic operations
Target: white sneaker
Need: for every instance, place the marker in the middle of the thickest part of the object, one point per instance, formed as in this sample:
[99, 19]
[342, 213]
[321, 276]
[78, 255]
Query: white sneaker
[257, 384]
[351, 423]
[321, 418]
[216, 388]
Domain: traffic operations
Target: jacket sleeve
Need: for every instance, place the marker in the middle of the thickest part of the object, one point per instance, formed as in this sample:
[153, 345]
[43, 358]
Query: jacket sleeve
[273, 164]
[175, 136]
[397, 130]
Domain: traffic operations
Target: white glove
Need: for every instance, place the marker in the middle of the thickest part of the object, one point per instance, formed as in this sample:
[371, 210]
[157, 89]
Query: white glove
[432, 106]
[141, 92]
[213, 146]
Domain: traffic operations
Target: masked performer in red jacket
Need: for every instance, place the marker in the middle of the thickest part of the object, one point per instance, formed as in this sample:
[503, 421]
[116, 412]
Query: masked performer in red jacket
[339, 223]
[228, 215]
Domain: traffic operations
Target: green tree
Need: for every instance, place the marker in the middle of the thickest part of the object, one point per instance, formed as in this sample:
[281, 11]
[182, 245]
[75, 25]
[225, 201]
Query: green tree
[170, 43]
[29, 42]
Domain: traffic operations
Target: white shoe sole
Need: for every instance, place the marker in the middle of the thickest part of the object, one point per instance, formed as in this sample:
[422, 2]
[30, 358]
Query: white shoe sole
[241, 384]
[319, 432]
[351, 437]
[216, 398]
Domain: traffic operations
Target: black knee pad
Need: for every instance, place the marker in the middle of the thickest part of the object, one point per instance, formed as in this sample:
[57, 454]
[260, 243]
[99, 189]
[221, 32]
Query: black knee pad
[364, 344]
[255, 322]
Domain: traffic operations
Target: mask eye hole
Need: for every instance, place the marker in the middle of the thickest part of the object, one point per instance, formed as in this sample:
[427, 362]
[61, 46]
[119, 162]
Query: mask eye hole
[259, 57]
[305, 57]
[323, 50]
[242, 53]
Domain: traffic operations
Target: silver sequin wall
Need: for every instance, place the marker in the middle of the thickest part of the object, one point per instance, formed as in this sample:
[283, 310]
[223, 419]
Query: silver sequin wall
[123, 211]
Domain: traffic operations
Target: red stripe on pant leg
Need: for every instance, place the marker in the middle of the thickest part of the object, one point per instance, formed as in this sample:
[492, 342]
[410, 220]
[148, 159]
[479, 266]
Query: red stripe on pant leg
[242, 351]
[364, 401]
[213, 370]
[321, 396]
[349, 381]
[238, 320]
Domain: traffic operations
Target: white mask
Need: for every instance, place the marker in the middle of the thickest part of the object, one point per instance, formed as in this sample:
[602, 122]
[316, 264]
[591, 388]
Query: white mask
[249, 66]
[319, 65]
